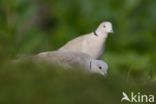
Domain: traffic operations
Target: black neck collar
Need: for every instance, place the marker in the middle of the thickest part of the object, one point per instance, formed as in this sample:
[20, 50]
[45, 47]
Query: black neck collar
[90, 65]
[95, 33]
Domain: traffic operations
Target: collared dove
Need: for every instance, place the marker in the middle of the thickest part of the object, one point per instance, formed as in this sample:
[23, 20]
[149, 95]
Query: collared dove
[92, 43]
[71, 60]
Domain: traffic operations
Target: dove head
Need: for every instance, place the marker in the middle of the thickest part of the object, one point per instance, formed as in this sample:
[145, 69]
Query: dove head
[104, 28]
[99, 67]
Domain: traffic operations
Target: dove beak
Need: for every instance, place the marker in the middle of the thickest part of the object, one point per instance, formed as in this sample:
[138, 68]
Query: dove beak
[112, 31]
[105, 74]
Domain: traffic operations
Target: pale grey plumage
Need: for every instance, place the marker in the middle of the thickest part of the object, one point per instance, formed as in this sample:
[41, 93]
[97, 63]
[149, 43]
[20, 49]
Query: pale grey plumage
[72, 60]
[92, 43]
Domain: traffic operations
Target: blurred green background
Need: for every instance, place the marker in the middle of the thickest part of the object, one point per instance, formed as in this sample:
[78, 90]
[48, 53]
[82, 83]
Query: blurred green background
[34, 26]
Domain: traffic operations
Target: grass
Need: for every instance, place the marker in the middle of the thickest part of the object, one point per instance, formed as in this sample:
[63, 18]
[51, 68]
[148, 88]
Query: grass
[28, 83]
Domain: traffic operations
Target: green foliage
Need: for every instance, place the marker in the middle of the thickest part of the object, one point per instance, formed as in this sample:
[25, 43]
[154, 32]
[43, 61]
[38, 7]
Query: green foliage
[33, 26]
[27, 83]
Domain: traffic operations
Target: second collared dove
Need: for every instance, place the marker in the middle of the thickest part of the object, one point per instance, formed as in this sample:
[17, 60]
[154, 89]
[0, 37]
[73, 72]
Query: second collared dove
[71, 59]
[92, 43]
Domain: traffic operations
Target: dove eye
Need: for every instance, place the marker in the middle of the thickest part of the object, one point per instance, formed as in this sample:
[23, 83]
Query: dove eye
[100, 67]
[104, 26]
